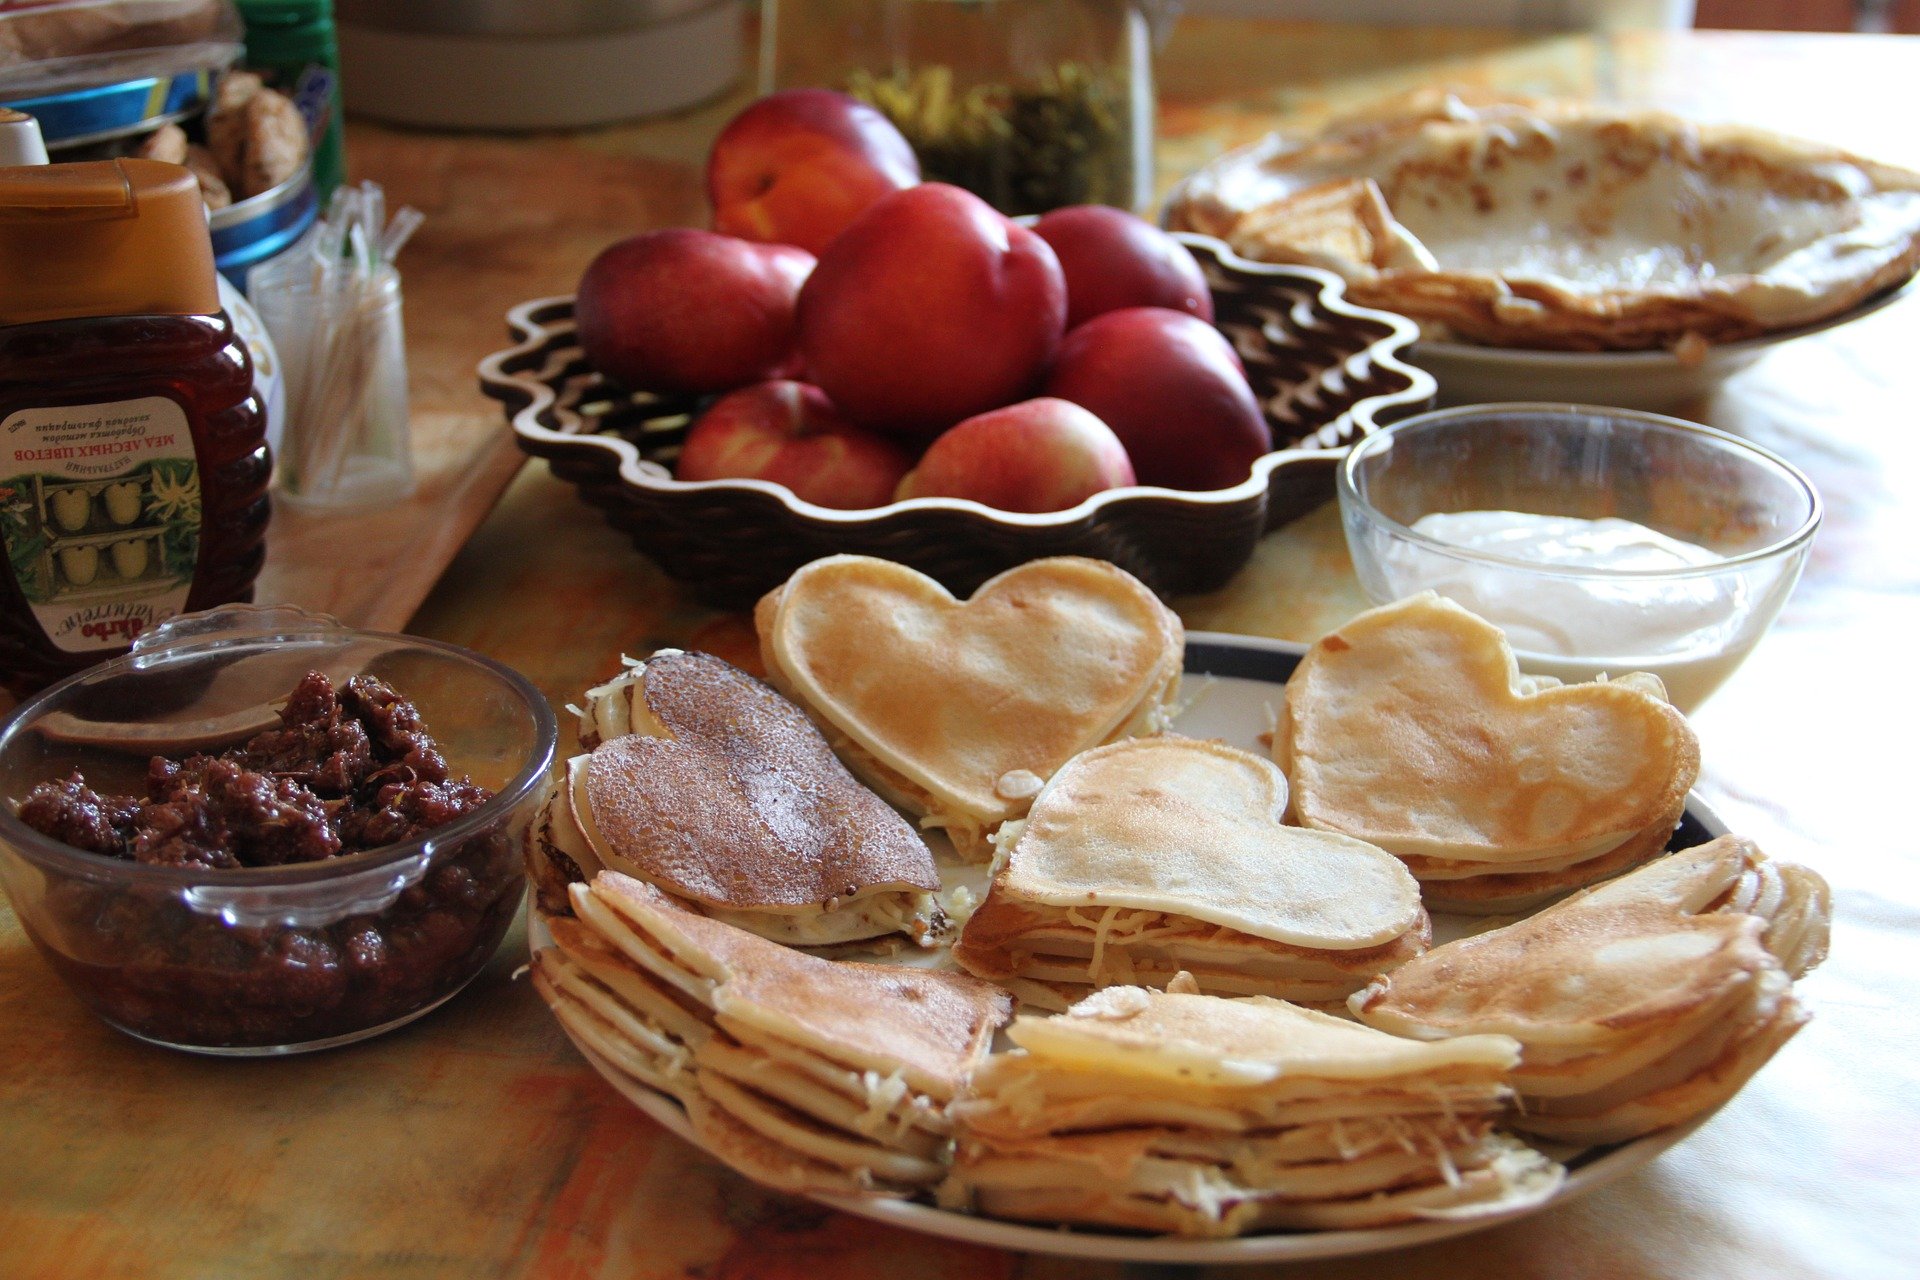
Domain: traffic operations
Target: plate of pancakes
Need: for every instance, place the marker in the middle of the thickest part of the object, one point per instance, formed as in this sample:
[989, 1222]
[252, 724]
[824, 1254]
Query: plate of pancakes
[1030, 920]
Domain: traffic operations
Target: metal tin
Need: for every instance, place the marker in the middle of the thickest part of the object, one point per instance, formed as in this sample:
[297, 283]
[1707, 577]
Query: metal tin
[248, 232]
[81, 116]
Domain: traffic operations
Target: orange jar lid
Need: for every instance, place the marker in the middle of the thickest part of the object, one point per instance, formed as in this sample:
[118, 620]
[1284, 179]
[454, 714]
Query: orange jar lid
[103, 238]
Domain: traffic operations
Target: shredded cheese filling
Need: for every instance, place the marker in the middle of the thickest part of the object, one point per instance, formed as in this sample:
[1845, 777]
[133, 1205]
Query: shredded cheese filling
[1120, 946]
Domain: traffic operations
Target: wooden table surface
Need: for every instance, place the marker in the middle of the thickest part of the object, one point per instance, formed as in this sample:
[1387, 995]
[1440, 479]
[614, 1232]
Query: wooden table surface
[477, 1143]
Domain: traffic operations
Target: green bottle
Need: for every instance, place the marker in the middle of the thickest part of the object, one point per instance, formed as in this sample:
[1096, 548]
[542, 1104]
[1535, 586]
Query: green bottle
[291, 43]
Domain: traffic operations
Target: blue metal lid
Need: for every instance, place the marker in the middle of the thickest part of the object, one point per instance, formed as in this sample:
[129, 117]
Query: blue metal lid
[80, 116]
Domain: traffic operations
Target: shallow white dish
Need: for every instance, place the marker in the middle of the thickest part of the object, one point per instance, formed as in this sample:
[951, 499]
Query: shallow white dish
[1232, 687]
[1469, 373]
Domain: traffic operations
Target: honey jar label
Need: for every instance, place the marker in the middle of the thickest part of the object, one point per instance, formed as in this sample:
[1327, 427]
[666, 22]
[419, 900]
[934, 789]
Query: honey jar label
[100, 515]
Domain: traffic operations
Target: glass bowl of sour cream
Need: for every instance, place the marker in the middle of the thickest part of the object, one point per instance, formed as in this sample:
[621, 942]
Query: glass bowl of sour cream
[1600, 540]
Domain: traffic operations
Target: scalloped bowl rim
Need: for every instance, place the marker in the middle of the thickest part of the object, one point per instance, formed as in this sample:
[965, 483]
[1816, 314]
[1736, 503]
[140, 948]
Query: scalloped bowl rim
[1330, 292]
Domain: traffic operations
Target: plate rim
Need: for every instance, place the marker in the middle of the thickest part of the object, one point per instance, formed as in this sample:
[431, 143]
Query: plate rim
[1609, 1166]
[1609, 362]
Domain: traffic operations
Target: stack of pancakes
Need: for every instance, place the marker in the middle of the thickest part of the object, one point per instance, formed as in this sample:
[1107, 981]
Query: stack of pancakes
[1412, 728]
[1155, 856]
[705, 782]
[959, 711]
[1178, 1112]
[1641, 1003]
[810, 1075]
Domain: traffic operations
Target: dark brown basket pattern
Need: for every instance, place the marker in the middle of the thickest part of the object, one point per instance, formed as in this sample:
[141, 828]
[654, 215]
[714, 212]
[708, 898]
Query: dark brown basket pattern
[1327, 373]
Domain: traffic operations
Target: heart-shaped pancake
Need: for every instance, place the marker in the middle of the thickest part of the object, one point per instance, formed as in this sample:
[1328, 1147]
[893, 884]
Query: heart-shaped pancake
[1192, 828]
[733, 798]
[961, 710]
[1411, 728]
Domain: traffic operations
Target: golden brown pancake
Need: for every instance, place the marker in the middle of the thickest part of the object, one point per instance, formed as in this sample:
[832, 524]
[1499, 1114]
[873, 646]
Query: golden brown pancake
[773, 1163]
[1174, 1039]
[1409, 728]
[960, 710]
[1144, 858]
[931, 1025]
[1696, 1095]
[1509, 893]
[1342, 220]
[1050, 955]
[1178, 1112]
[1203, 1196]
[1570, 977]
[708, 783]
[805, 1073]
[1640, 1002]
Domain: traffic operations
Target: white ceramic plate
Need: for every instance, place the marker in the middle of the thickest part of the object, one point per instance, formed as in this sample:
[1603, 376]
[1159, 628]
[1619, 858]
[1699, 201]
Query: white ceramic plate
[1232, 687]
[1652, 380]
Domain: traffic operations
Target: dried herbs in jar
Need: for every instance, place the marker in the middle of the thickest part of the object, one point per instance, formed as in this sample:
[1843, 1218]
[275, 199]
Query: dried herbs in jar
[1064, 139]
[1029, 104]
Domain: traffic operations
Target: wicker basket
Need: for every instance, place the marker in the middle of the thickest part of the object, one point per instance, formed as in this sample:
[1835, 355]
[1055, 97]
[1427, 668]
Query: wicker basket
[1327, 372]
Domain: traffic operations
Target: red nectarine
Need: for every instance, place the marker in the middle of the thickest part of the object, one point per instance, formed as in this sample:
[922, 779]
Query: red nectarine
[1114, 260]
[797, 166]
[930, 308]
[688, 310]
[1172, 389]
[788, 433]
[1038, 455]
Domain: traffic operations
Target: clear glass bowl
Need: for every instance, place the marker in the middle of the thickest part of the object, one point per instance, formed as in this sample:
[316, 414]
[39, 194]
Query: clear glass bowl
[283, 959]
[1691, 627]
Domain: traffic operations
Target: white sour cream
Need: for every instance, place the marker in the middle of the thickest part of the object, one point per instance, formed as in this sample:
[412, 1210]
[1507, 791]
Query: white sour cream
[1687, 631]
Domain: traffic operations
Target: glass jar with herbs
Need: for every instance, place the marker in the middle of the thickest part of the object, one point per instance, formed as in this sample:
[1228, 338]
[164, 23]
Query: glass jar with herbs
[1030, 104]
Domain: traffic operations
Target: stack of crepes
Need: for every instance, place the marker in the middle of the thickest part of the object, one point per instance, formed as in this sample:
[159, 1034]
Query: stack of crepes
[1567, 225]
[1179, 1112]
[1411, 728]
[809, 1075]
[1155, 856]
[1640, 1004]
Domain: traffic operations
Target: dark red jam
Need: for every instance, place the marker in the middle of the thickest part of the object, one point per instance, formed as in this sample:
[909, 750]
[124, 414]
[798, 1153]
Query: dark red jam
[346, 771]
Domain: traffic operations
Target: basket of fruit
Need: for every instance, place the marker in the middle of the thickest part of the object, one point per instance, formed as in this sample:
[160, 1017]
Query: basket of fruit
[977, 392]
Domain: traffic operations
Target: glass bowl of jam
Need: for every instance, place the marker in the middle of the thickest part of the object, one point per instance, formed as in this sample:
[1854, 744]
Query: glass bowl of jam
[263, 832]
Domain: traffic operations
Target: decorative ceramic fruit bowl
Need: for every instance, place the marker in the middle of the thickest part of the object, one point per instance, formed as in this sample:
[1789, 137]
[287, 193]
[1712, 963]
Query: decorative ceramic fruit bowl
[1326, 372]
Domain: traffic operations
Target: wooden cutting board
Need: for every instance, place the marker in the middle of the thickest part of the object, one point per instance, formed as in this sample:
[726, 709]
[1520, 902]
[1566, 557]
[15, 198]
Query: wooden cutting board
[472, 259]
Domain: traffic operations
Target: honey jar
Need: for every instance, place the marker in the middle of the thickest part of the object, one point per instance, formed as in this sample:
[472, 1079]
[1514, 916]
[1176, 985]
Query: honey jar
[133, 456]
